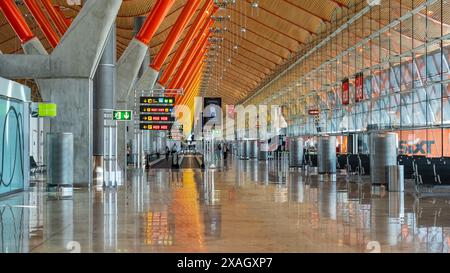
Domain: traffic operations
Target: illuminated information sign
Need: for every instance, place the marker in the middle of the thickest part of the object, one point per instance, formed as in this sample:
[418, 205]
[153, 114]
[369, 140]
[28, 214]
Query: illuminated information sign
[157, 100]
[156, 113]
[156, 109]
[155, 126]
[122, 115]
[150, 117]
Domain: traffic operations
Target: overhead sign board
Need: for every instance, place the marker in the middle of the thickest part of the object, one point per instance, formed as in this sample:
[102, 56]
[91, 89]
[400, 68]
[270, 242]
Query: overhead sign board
[156, 109]
[157, 100]
[122, 115]
[156, 113]
[155, 127]
[151, 117]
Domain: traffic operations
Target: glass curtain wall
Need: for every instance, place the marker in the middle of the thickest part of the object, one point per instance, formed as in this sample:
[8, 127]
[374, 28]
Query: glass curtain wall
[382, 67]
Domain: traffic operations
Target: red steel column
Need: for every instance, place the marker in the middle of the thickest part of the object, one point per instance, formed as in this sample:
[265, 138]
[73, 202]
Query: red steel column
[181, 51]
[154, 20]
[42, 21]
[16, 20]
[59, 22]
[175, 33]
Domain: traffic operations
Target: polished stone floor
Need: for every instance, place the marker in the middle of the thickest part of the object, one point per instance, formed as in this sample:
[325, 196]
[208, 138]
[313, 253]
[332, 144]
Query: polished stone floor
[243, 206]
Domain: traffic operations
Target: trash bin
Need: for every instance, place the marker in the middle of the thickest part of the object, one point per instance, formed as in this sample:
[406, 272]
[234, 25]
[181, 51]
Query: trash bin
[252, 149]
[295, 152]
[326, 155]
[395, 178]
[60, 162]
[263, 151]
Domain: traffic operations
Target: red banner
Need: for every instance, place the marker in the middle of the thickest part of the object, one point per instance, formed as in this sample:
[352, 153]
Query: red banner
[345, 92]
[359, 87]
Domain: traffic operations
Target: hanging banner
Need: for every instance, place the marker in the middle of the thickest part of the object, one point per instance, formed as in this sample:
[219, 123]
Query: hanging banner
[313, 112]
[359, 87]
[345, 92]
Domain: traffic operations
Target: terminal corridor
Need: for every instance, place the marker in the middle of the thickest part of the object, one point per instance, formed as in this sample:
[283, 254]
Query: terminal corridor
[224, 127]
[244, 206]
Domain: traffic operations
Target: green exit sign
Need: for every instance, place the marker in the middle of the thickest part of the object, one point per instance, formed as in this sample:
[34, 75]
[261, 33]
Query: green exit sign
[122, 115]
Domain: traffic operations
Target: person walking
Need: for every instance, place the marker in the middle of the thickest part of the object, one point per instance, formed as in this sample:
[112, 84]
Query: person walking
[167, 153]
[225, 151]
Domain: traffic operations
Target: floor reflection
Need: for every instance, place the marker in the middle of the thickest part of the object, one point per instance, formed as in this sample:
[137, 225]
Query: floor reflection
[242, 206]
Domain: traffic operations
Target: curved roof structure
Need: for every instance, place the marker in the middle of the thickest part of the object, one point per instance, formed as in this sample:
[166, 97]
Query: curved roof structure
[254, 40]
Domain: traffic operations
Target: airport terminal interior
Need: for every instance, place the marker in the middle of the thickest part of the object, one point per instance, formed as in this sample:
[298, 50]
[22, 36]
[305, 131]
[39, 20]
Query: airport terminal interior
[224, 126]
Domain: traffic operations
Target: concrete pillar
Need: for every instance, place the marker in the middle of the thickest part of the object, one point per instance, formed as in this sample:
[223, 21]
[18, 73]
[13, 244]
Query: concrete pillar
[66, 77]
[138, 22]
[105, 87]
[136, 57]
[104, 100]
[74, 99]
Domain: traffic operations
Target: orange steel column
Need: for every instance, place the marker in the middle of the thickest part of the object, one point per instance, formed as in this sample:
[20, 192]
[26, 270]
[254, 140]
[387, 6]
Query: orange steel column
[59, 22]
[196, 73]
[192, 51]
[67, 21]
[187, 90]
[192, 66]
[195, 64]
[154, 20]
[42, 21]
[198, 44]
[175, 33]
[193, 30]
[16, 20]
[189, 102]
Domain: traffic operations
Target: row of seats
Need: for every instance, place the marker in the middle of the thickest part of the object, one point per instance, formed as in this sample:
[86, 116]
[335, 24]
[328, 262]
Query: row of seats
[354, 163]
[427, 171]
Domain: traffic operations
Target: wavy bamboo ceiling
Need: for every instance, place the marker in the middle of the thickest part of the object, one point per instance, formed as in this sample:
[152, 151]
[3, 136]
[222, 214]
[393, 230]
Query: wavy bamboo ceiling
[257, 42]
